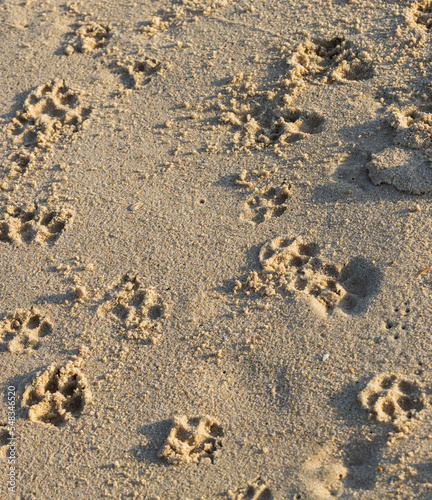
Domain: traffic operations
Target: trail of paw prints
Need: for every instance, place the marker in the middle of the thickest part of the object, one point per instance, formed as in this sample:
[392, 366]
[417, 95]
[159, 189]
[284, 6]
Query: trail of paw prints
[35, 223]
[394, 399]
[51, 112]
[254, 490]
[58, 394]
[264, 115]
[266, 200]
[406, 164]
[138, 310]
[24, 330]
[181, 12]
[293, 266]
[135, 70]
[193, 440]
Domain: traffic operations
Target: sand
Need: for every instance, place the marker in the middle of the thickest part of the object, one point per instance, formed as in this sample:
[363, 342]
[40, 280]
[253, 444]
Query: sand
[215, 247]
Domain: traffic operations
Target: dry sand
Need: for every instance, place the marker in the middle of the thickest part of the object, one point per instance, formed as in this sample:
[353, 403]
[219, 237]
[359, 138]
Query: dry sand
[215, 247]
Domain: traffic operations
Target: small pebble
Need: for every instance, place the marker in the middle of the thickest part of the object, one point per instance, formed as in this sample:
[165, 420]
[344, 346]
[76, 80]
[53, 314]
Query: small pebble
[325, 357]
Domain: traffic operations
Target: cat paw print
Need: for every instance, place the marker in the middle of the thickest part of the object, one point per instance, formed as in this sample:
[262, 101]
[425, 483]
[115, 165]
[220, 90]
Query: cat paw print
[139, 310]
[50, 112]
[24, 330]
[328, 60]
[293, 265]
[41, 224]
[392, 398]
[57, 395]
[300, 261]
[193, 440]
[88, 37]
[266, 200]
[260, 121]
[267, 203]
[254, 490]
[137, 73]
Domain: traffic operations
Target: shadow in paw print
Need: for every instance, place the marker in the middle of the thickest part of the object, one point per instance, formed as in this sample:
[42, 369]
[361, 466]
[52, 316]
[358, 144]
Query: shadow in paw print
[252, 264]
[19, 382]
[18, 103]
[136, 74]
[4, 435]
[351, 175]
[155, 438]
[362, 459]
[362, 280]
[366, 442]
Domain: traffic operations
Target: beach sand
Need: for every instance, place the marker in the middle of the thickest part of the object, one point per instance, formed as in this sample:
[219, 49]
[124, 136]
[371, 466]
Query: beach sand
[215, 247]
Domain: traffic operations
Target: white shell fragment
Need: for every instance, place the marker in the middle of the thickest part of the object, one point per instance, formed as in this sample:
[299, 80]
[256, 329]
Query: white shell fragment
[325, 357]
[135, 206]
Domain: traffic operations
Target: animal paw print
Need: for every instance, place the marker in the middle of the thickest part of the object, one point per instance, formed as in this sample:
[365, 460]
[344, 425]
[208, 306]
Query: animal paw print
[267, 203]
[139, 310]
[88, 37]
[21, 162]
[193, 440]
[51, 111]
[41, 224]
[23, 330]
[255, 490]
[135, 74]
[421, 13]
[293, 265]
[310, 275]
[391, 398]
[294, 125]
[406, 164]
[327, 61]
[262, 117]
[57, 395]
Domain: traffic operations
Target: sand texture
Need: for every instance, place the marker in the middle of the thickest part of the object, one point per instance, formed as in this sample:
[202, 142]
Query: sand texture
[216, 249]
